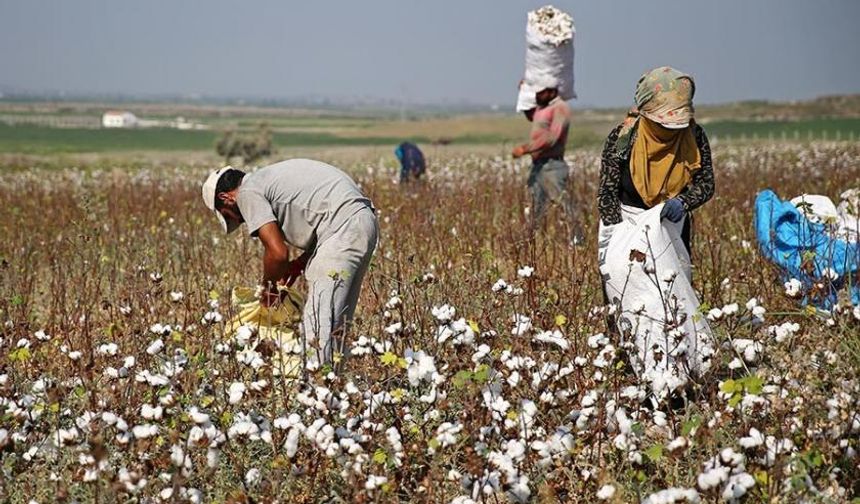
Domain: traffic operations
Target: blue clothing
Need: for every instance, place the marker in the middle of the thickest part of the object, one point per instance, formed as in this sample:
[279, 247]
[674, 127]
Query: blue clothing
[806, 251]
[411, 161]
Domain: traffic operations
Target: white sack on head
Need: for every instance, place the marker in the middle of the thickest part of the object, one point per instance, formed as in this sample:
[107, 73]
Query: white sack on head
[549, 55]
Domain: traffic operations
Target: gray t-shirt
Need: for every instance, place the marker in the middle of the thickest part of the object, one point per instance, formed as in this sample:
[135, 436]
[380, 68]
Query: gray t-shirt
[309, 199]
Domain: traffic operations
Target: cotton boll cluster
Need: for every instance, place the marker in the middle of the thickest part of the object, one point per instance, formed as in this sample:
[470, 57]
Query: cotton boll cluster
[673, 496]
[783, 331]
[793, 288]
[553, 24]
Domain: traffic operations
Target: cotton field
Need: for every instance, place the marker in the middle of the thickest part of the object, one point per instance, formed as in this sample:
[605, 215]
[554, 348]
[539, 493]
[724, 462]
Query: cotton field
[483, 366]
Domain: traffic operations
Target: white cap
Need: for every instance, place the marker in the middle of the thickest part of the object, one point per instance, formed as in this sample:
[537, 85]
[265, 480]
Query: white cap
[209, 198]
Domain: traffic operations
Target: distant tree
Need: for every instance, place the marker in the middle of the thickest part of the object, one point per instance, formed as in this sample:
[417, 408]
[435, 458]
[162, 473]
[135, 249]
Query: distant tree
[251, 147]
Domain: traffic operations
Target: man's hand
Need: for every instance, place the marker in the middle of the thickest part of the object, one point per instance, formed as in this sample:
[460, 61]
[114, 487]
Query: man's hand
[295, 269]
[519, 151]
[276, 261]
[270, 297]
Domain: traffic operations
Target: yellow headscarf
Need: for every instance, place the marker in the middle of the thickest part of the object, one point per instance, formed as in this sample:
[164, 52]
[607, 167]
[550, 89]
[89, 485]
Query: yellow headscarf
[664, 155]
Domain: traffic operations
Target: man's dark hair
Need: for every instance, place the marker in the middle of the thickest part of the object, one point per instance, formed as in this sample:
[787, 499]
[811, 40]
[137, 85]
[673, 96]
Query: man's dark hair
[228, 181]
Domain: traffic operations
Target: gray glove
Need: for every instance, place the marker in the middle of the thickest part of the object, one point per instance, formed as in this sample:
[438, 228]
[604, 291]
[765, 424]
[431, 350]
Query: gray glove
[673, 210]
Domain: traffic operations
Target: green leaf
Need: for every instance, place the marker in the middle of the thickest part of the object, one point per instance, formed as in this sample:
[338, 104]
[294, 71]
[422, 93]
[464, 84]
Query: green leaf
[213, 295]
[637, 428]
[461, 379]
[20, 355]
[482, 374]
[655, 453]
[690, 425]
[735, 400]
[474, 326]
[388, 358]
[17, 300]
[379, 456]
[752, 384]
[731, 386]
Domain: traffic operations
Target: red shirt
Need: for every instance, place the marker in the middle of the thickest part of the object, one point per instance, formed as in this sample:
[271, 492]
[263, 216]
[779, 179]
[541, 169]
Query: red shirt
[549, 130]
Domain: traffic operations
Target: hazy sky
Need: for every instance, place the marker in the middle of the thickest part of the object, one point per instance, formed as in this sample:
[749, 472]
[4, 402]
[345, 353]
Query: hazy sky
[424, 50]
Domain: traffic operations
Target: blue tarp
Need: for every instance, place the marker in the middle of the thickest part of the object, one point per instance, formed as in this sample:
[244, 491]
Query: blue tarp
[806, 251]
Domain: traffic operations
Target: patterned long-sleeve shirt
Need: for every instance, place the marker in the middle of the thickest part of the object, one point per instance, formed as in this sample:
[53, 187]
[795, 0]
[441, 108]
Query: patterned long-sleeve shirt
[548, 136]
[616, 185]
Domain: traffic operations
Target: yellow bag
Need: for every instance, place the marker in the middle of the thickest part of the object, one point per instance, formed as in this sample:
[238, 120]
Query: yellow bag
[277, 324]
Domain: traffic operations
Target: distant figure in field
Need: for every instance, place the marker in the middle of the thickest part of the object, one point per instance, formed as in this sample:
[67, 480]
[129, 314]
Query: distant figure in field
[658, 154]
[412, 164]
[549, 174]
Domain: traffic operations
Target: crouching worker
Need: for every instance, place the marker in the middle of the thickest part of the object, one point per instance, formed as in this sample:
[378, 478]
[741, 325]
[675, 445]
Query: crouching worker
[318, 209]
[412, 164]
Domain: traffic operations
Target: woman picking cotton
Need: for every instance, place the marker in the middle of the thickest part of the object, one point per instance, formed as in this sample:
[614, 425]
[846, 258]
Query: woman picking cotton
[655, 170]
[658, 154]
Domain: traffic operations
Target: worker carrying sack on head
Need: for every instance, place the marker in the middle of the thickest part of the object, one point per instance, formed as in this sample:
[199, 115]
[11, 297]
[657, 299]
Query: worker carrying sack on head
[314, 207]
[547, 84]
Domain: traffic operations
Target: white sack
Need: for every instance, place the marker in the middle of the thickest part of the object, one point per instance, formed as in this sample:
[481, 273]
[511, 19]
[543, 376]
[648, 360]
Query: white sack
[650, 293]
[821, 210]
[549, 56]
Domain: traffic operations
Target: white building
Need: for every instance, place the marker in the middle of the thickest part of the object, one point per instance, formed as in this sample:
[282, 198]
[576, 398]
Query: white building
[119, 119]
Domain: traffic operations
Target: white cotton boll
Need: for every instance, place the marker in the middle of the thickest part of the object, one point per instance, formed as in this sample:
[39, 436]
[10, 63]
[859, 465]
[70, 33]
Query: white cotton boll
[754, 439]
[291, 444]
[212, 457]
[597, 340]
[793, 288]
[161, 330]
[714, 314]
[606, 492]
[394, 328]
[444, 313]
[500, 285]
[108, 349]
[737, 486]
[673, 495]
[522, 325]
[736, 363]
[23, 343]
[553, 337]
[252, 477]
[74, 355]
[420, 367]
[177, 455]
[482, 352]
[676, 444]
[519, 490]
[212, 317]
[176, 296]
[712, 478]
[236, 391]
[155, 347]
[730, 309]
[144, 431]
[151, 413]
[41, 335]
[525, 272]
[374, 482]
